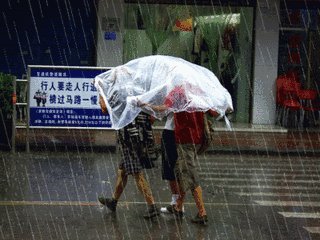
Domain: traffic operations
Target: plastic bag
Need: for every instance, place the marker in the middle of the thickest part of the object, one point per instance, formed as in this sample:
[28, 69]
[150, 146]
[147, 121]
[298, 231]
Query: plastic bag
[150, 79]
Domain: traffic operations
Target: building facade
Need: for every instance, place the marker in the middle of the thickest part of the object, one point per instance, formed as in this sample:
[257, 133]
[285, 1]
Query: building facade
[246, 43]
[238, 41]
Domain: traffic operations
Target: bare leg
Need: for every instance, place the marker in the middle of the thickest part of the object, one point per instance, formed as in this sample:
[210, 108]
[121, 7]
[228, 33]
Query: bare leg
[144, 188]
[174, 188]
[197, 194]
[180, 200]
[121, 183]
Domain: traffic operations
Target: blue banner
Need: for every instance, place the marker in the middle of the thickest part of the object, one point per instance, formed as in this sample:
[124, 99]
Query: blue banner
[65, 97]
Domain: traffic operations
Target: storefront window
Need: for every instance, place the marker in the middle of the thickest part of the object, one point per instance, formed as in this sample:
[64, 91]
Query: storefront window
[299, 44]
[218, 38]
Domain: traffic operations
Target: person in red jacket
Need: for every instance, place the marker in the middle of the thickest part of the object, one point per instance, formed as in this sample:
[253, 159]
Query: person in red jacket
[189, 135]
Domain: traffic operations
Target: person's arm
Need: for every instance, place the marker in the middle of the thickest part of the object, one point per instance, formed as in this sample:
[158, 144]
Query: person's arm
[216, 115]
[103, 105]
[156, 108]
[213, 113]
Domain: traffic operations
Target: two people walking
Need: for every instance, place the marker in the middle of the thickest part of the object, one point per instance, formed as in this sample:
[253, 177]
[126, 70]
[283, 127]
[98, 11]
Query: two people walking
[185, 90]
[181, 138]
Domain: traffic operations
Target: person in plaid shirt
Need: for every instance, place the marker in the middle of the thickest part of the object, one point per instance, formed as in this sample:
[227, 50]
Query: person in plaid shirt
[136, 144]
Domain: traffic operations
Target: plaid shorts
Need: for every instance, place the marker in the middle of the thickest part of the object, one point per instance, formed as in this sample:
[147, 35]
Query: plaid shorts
[136, 145]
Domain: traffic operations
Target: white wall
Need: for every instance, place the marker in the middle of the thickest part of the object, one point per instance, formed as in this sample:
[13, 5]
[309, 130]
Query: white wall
[266, 62]
[245, 63]
[109, 52]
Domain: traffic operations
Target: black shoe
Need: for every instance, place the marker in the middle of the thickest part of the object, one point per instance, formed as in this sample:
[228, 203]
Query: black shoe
[152, 211]
[109, 202]
[178, 214]
[200, 220]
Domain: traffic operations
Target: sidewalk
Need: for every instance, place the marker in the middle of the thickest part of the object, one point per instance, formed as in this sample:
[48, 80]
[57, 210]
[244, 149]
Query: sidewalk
[244, 138]
[266, 139]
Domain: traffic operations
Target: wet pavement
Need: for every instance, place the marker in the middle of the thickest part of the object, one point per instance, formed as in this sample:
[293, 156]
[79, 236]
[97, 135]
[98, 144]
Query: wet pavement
[53, 195]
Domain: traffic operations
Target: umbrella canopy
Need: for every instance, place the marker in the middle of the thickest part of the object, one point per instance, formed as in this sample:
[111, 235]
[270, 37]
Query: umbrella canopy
[158, 79]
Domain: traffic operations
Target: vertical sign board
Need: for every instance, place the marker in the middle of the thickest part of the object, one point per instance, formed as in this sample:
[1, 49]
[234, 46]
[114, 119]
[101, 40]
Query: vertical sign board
[65, 97]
